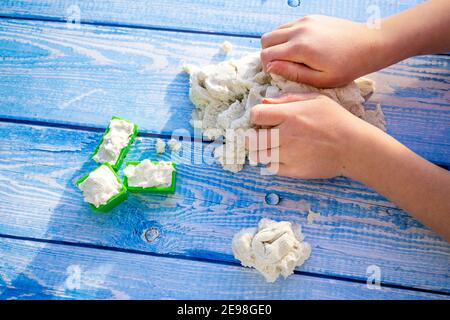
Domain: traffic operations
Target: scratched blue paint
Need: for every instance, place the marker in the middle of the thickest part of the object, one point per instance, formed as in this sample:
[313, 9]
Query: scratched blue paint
[17, 289]
[210, 204]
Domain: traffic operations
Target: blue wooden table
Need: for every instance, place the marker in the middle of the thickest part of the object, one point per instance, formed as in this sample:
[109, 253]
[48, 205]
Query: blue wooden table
[62, 80]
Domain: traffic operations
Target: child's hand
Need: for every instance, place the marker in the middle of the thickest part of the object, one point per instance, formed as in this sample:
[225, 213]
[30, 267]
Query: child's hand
[320, 139]
[315, 135]
[321, 51]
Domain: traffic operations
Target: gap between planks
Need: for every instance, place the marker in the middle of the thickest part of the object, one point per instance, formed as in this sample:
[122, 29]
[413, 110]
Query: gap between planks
[205, 260]
[133, 26]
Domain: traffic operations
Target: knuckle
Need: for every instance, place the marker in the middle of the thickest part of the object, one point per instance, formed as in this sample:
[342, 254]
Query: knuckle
[298, 124]
[300, 30]
[307, 18]
[298, 119]
[265, 39]
[298, 45]
[264, 55]
[312, 17]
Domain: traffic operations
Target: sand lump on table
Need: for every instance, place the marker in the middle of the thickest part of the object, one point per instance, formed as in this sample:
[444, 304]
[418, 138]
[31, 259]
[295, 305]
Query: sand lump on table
[273, 248]
[223, 95]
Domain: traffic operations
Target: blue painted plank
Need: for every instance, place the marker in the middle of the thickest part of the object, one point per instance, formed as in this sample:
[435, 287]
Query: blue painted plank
[83, 76]
[32, 270]
[252, 17]
[357, 229]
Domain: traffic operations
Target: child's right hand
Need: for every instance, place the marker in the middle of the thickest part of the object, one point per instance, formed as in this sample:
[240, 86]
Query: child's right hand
[322, 51]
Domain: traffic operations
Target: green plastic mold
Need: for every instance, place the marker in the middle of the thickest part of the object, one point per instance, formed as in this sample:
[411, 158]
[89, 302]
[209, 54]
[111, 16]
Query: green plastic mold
[125, 150]
[170, 189]
[115, 200]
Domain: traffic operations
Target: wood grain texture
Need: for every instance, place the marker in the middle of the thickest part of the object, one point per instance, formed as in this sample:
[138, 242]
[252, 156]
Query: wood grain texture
[52, 73]
[357, 229]
[252, 17]
[33, 270]
[92, 72]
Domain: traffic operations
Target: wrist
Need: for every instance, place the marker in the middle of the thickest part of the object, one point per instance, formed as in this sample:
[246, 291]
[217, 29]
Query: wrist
[385, 45]
[385, 49]
[379, 49]
[396, 43]
[360, 145]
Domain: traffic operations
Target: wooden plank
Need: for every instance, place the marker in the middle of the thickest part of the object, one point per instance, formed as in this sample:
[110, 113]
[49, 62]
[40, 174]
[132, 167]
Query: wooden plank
[252, 17]
[357, 229]
[32, 270]
[54, 74]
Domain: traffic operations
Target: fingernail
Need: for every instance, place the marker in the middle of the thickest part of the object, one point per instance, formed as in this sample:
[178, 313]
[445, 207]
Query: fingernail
[268, 66]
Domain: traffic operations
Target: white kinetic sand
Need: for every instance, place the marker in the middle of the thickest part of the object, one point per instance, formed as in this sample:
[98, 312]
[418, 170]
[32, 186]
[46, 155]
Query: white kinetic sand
[312, 216]
[273, 248]
[174, 145]
[223, 95]
[114, 141]
[226, 47]
[160, 146]
[147, 174]
[100, 186]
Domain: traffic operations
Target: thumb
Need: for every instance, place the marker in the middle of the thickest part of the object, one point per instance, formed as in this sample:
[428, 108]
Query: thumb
[295, 72]
[291, 97]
